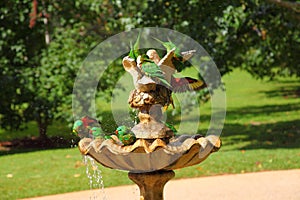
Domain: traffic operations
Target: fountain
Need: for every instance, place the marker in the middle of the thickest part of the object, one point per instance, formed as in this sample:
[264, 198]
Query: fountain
[150, 150]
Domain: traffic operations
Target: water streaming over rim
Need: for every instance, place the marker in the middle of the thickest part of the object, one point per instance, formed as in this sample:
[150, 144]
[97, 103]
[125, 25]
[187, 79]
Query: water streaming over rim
[94, 175]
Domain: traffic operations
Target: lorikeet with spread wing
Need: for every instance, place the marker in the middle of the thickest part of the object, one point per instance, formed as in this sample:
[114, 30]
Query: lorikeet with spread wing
[186, 84]
[177, 84]
[178, 60]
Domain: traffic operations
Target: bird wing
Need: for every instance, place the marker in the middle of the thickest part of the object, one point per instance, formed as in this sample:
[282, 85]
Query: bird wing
[186, 55]
[89, 121]
[186, 84]
[154, 71]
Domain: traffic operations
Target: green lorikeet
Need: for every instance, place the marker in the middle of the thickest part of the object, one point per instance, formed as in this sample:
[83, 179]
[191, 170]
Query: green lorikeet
[125, 135]
[179, 59]
[134, 50]
[88, 127]
[97, 132]
[79, 129]
[151, 69]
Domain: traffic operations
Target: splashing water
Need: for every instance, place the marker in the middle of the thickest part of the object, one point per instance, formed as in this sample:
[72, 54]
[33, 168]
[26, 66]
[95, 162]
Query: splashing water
[73, 143]
[94, 175]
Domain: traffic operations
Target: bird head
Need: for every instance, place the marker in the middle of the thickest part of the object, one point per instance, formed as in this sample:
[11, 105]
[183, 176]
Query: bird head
[169, 46]
[77, 124]
[121, 130]
[141, 59]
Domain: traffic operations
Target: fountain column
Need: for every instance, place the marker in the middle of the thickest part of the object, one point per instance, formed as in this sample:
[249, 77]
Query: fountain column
[151, 184]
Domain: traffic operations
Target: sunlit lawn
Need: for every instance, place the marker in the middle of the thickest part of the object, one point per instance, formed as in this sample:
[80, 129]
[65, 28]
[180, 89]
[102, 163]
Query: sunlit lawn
[261, 132]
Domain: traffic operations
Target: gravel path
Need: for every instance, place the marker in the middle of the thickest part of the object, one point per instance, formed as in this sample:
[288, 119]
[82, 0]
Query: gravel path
[270, 185]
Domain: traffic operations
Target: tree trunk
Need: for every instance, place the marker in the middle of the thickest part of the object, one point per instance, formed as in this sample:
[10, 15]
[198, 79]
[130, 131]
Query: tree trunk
[42, 125]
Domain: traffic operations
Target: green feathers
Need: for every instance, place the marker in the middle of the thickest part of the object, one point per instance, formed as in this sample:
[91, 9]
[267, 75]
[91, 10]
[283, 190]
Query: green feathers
[169, 46]
[79, 129]
[153, 71]
[88, 127]
[134, 50]
[179, 59]
[97, 132]
[170, 126]
[125, 135]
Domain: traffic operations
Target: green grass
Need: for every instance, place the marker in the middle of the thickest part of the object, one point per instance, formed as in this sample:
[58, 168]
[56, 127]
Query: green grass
[261, 132]
[261, 114]
[48, 172]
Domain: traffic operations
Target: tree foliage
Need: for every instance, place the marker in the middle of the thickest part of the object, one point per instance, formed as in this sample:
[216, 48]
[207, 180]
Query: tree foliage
[261, 37]
[43, 43]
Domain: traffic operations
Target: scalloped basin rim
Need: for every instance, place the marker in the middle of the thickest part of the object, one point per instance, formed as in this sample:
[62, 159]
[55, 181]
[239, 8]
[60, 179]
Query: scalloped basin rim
[145, 156]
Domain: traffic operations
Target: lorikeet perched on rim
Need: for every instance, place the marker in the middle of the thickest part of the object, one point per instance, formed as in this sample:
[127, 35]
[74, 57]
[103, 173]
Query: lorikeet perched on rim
[125, 135]
[88, 127]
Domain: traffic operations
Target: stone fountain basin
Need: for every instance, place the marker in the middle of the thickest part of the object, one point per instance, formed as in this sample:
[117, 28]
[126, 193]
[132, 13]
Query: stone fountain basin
[150, 155]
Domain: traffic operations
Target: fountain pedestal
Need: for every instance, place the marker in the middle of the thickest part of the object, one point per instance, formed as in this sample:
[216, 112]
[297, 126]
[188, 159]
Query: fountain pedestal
[151, 184]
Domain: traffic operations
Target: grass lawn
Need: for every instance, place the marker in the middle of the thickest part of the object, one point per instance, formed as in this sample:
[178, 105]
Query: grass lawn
[261, 132]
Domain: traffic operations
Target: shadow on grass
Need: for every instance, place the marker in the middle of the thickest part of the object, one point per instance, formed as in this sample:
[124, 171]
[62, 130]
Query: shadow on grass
[265, 135]
[284, 91]
[251, 111]
[256, 134]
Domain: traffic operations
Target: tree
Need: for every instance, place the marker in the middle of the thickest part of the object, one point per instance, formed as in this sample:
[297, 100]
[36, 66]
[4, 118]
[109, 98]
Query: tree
[43, 43]
[259, 36]
[42, 49]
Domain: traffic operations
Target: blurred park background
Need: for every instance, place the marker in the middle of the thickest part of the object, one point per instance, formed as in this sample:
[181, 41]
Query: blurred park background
[255, 45]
